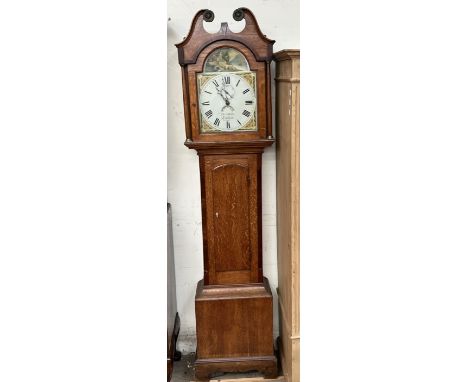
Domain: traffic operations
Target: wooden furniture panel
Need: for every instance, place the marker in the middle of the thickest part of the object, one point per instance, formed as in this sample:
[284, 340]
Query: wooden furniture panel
[241, 330]
[231, 189]
[287, 192]
[240, 338]
[173, 321]
[231, 209]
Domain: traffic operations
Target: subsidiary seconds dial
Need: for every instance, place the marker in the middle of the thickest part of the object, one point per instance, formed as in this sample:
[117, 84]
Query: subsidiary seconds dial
[227, 102]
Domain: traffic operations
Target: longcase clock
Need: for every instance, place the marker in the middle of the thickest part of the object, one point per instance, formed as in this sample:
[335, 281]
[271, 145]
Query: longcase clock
[227, 106]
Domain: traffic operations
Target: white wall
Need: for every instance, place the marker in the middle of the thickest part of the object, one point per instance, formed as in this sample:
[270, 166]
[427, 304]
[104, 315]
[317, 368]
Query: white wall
[279, 20]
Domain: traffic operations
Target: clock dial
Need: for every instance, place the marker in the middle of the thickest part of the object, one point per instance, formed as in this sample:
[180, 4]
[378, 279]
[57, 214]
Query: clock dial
[227, 102]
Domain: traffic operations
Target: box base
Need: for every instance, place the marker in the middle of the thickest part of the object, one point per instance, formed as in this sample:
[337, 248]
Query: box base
[234, 329]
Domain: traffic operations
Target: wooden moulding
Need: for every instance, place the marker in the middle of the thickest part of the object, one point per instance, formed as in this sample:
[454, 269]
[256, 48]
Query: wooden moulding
[287, 54]
[231, 146]
[266, 365]
[287, 71]
[234, 329]
[198, 38]
[233, 291]
[249, 379]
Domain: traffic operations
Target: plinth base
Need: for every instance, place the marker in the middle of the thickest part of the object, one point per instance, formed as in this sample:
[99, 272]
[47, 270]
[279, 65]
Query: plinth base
[234, 329]
[204, 368]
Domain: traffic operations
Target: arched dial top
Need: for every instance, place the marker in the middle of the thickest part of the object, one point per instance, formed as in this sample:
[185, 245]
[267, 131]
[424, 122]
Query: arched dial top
[226, 84]
[227, 93]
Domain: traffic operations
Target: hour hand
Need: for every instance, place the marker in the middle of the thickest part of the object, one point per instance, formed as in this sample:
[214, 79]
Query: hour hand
[225, 98]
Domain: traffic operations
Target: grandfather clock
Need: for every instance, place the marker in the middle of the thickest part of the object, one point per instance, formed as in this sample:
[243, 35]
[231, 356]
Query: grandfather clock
[227, 105]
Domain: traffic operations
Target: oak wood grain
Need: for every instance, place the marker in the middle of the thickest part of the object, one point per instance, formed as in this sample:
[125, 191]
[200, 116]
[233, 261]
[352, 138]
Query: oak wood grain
[234, 328]
[233, 302]
[232, 212]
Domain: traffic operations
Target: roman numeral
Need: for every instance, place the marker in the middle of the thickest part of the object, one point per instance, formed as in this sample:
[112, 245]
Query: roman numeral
[246, 91]
[216, 84]
[216, 122]
[246, 113]
[206, 91]
[239, 122]
[228, 125]
[206, 103]
[248, 102]
[237, 83]
[227, 80]
[209, 113]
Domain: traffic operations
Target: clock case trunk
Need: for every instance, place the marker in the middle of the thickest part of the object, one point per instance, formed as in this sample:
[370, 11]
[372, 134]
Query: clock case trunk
[233, 301]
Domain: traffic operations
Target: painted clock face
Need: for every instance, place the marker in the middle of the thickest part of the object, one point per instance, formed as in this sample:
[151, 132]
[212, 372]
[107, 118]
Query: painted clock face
[227, 102]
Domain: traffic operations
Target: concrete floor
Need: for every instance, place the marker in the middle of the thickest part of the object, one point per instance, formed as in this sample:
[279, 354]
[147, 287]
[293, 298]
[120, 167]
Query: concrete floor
[184, 371]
